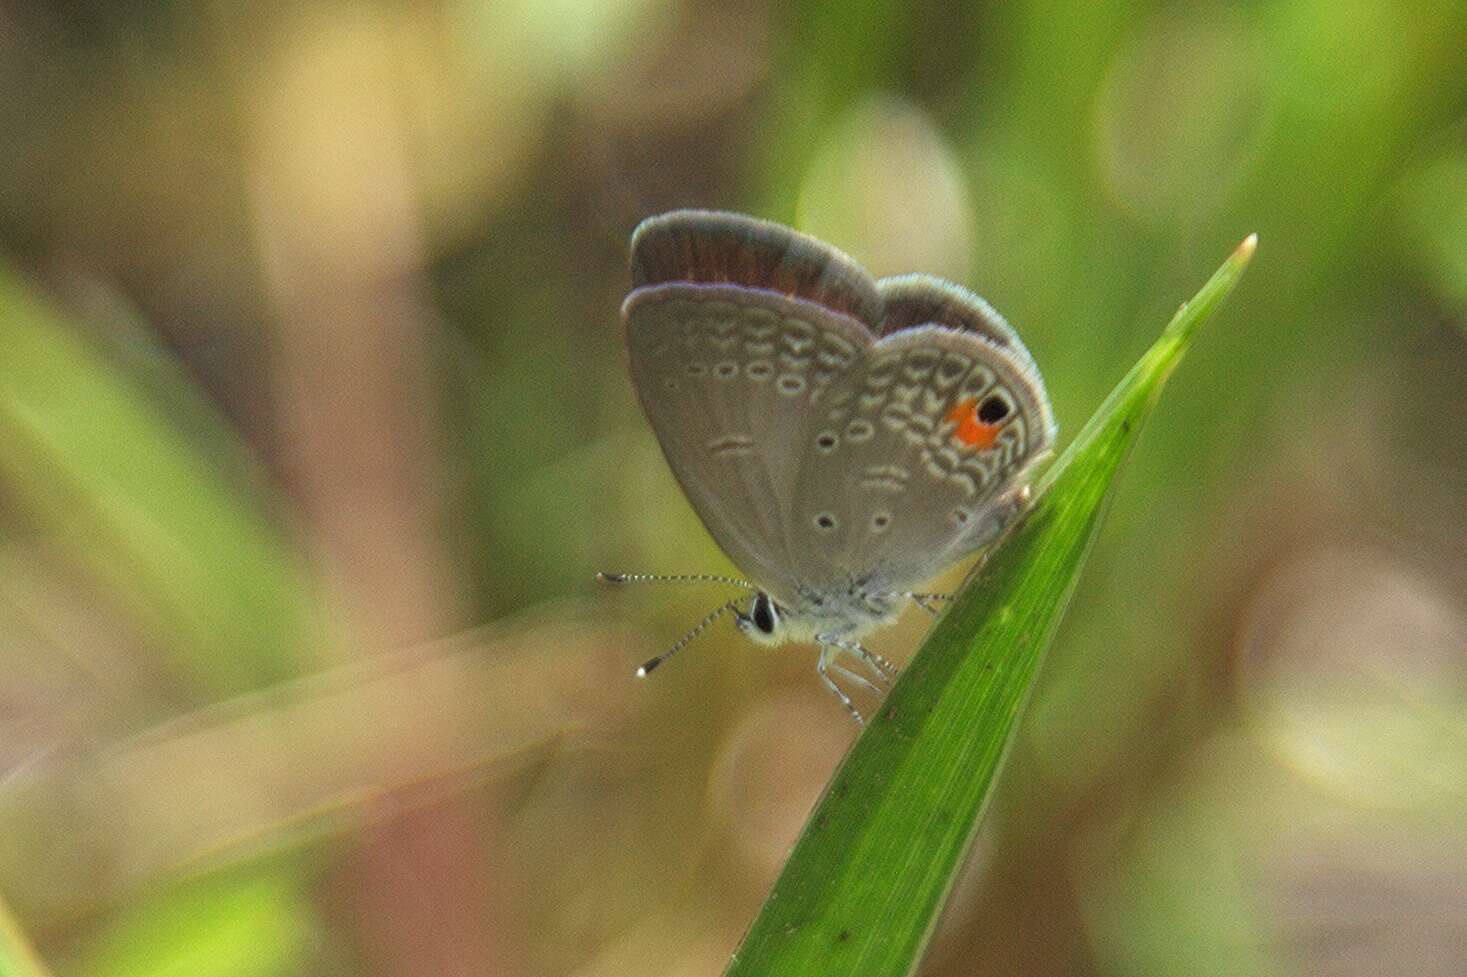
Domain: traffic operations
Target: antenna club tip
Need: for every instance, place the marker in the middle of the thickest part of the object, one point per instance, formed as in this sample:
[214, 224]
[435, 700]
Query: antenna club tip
[642, 671]
[604, 577]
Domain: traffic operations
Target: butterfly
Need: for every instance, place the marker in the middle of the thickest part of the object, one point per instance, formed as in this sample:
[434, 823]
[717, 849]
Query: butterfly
[842, 438]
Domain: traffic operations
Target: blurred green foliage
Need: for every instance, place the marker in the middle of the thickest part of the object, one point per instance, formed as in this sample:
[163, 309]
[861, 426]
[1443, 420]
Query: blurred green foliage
[250, 926]
[164, 516]
[309, 355]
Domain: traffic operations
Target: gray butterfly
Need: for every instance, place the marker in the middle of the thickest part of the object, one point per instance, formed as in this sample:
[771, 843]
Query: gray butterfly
[843, 439]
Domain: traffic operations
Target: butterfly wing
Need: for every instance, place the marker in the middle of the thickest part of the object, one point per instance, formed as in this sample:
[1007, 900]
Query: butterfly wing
[820, 457]
[736, 332]
[920, 458]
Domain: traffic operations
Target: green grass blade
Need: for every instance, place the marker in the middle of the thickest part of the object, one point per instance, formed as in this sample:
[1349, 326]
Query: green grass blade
[864, 884]
[168, 518]
[17, 957]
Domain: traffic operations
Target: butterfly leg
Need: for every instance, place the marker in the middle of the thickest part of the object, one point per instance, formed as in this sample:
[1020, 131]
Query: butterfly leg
[878, 665]
[924, 601]
[921, 601]
[860, 680]
[823, 666]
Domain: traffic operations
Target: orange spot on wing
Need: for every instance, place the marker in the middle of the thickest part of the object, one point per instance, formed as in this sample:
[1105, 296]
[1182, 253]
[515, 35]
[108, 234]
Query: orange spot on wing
[970, 431]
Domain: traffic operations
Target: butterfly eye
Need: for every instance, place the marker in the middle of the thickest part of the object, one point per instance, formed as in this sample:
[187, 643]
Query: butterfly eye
[764, 614]
[993, 409]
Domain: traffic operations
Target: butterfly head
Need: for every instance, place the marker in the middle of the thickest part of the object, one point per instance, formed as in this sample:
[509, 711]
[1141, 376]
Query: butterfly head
[763, 623]
[846, 612]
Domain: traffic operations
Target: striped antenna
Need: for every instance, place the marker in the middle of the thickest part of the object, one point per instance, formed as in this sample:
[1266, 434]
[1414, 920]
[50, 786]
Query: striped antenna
[674, 578]
[686, 639]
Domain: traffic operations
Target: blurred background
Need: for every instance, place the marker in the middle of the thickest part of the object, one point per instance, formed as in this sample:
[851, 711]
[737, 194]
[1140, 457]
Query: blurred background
[315, 426]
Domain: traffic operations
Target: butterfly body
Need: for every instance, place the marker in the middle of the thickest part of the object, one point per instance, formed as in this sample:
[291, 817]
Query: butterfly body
[847, 614]
[843, 439]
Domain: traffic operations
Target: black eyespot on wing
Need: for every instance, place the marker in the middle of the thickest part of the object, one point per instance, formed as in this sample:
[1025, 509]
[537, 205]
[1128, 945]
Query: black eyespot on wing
[993, 410]
[763, 614]
[714, 247]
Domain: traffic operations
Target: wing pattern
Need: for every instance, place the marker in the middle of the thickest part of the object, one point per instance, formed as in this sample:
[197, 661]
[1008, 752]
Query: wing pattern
[827, 428]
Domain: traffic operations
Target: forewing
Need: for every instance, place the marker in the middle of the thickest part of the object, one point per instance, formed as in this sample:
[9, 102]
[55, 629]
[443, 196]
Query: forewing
[733, 379]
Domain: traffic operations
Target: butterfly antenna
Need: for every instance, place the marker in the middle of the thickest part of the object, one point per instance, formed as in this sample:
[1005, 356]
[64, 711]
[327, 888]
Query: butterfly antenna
[674, 578]
[686, 639]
